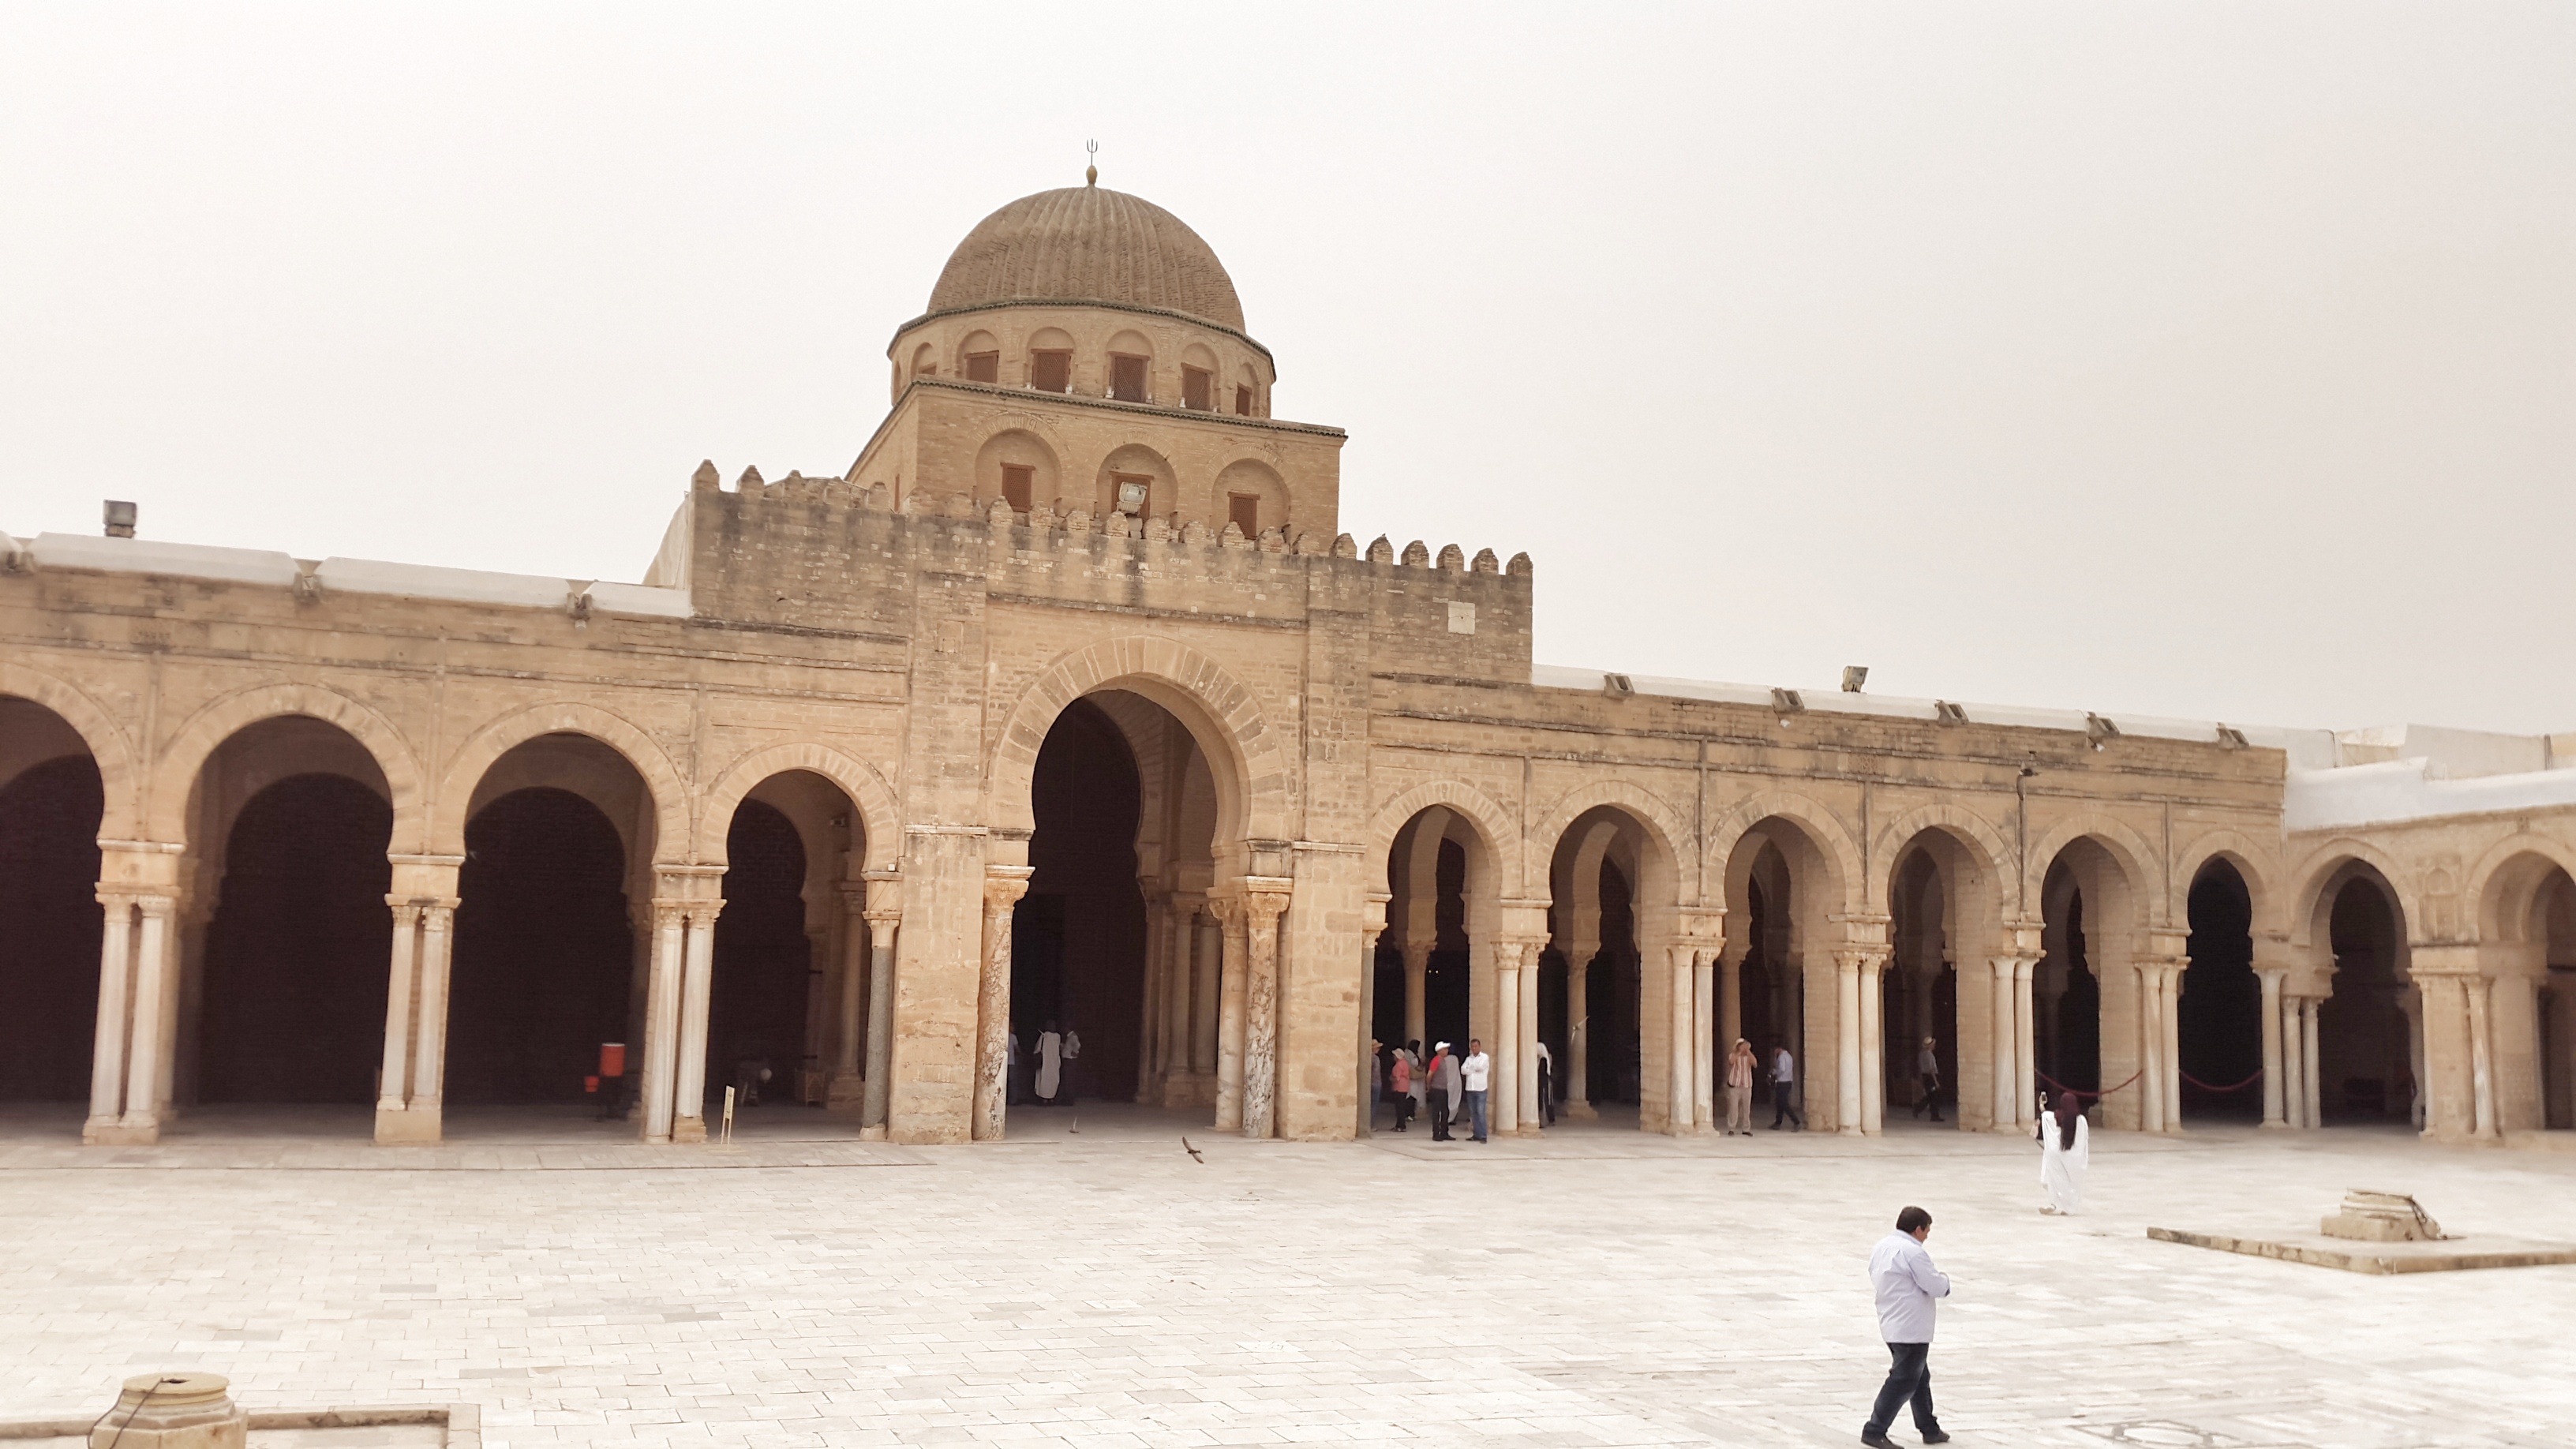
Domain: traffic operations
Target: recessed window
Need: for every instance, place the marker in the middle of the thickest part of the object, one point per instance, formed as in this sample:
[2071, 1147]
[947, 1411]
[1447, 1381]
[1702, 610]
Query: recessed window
[1243, 402]
[1051, 371]
[983, 367]
[1198, 389]
[1127, 378]
[1016, 478]
[1131, 492]
[1244, 511]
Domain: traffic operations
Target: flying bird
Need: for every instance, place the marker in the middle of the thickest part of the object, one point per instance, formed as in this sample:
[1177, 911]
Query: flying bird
[1195, 1155]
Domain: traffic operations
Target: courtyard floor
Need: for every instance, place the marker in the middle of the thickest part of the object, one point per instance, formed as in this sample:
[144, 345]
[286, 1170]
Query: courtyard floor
[1101, 1287]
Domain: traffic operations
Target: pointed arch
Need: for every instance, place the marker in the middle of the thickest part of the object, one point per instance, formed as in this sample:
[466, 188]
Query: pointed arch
[1983, 841]
[880, 819]
[2508, 876]
[109, 747]
[2127, 848]
[166, 800]
[2254, 864]
[1832, 839]
[1660, 821]
[1220, 712]
[499, 736]
[2310, 900]
[1489, 819]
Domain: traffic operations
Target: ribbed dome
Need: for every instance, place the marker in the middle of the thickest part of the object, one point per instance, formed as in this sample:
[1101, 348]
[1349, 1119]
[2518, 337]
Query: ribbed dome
[1088, 244]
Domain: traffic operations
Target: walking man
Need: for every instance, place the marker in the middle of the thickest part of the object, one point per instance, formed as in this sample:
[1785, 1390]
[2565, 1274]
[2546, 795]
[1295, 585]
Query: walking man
[1546, 1086]
[1927, 1065]
[1476, 1072]
[1784, 1089]
[1908, 1288]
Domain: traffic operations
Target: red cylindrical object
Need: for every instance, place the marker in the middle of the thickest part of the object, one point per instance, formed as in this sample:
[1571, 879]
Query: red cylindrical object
[612, 1059]
[590, 1084]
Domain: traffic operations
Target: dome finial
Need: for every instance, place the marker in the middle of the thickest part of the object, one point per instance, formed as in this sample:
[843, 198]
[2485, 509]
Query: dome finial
[1091, 173]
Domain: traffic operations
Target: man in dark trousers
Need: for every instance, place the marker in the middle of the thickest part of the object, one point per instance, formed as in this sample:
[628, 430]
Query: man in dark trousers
[1908, 1288]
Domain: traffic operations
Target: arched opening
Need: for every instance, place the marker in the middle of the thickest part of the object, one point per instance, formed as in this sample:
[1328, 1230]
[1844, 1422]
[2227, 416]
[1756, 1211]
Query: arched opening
[293, 992]
[1605, 872]
[2554, 921]
[1442, 920]
[2066, 985]
[50, 923]
[1115, 953]
[2365, 1042]
[545, 958]
[1919, 1009]
[2219, 1022]
[1782, 886]
[762, 993]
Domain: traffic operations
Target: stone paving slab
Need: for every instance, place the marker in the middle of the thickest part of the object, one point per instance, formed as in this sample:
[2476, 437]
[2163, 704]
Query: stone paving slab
[1101, 1288]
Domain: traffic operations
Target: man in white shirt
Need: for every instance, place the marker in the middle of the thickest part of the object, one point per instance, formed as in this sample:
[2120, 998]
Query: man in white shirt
[1784, 1089]
[1478, 1070]
[1908, 1287]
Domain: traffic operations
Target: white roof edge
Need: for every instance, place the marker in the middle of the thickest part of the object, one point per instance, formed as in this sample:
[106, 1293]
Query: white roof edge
[154, 556]
[2393, 791]
[430, 581]
[1889, 706]
[644, 600]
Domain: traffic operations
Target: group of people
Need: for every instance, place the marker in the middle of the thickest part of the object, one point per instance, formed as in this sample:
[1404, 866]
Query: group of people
[1057, 1054]
[1452, 1086]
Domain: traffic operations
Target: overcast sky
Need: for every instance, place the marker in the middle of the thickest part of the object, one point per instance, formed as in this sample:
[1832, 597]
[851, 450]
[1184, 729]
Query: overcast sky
[2214, 360]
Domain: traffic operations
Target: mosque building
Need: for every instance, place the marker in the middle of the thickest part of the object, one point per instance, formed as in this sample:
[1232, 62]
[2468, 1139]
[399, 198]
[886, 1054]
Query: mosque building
[1075, 700]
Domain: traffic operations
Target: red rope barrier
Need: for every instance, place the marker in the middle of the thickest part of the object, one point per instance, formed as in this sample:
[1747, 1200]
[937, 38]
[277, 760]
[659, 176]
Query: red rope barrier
[2082, 1091]
[2240, 1086]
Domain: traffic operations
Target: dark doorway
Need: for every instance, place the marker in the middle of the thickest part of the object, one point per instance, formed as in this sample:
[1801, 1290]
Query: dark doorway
[2364, 1058]
[49, 929]
[2219, 1021]
[1445, 989]
[295, 966]
[2074, 1048]
[1612, 1057]
[762, 983]
[1078, 936]
[544, 951]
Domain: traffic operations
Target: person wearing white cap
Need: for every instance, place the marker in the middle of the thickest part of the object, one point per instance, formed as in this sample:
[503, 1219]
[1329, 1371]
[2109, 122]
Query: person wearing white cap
[1444, 1091]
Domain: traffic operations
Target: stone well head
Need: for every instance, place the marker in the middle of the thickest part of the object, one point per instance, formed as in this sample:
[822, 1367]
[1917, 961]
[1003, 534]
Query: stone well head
[173, 1411]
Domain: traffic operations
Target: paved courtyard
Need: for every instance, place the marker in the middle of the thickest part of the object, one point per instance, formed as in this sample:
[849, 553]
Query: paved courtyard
[1102, 1288]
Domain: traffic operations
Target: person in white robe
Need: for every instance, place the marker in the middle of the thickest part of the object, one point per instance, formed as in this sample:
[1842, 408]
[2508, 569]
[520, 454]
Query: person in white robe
[1050, 1063]
[2065, 1147]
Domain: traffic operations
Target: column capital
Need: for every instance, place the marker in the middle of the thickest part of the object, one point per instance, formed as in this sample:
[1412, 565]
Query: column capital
[1861, 957]
[1004, 885]
[704, 913]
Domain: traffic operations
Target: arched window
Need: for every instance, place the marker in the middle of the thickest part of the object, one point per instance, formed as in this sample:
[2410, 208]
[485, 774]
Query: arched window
[1131, 365]
[1051, 361]
[980, 358]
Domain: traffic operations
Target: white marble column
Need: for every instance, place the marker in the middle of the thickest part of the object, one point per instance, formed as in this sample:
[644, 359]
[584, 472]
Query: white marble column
[393, 1075]
[1205, 1007]
[2025, 1044]
[1149, 1011]
[2274, 1099]
[877, 1074]
[1180, 971]
[115, 989]
[2172, 1043]
[662, 1015]
[427, 1109]
[1503, 1097]
[1368, 1073]
[1847, 1043]
[2007, 1026]
[2482, 1082]
[1262, 909]
[1873, 1041]
[1532, 1117]
[1684, 1063]
[1730, 1001]
[2150, 1048]
[849, 1077]
[2316, 1102]
[1003, 887]
[697, 985]
[1703, 1032]
[146, 1065]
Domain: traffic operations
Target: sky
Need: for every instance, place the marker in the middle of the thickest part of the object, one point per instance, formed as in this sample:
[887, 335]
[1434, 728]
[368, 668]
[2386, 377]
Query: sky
[2214, 361]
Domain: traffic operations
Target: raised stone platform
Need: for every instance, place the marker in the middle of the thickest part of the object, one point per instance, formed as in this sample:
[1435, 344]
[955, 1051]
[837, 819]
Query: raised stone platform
[2445, 1255]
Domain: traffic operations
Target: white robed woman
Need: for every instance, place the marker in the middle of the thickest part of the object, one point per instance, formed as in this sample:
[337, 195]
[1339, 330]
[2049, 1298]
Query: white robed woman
[2065, 1146]
[1051, 1056]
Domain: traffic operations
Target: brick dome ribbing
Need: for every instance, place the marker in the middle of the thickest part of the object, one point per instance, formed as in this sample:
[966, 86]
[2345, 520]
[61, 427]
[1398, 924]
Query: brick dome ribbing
[1088, 244]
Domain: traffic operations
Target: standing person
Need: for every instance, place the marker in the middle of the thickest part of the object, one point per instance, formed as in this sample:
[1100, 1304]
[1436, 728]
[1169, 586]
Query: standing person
[1050, 1063]
[1477, 1072]
[1739, 1089]
[1927, 1065]
[2065, 1149]
[1377, 1078]
[1908, 1287]
[1421, 1079]
[1784, 1089]
[1444, 1091]
[1015, 1080]
[1399, 1080]
[1546, 1086]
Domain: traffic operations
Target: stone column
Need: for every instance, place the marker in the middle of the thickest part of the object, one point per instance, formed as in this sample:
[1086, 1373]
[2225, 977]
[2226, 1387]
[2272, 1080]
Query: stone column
[2481, 1057]
[1873, 1041]
[145, 1063]
[2173, 1043]
[1229, 1015]
[1730, 1001]
[1417, 965]
[1149, 1018]
[1578, 1036]
[1003, 887]
[2151, 1039]
[1204, 1005]
[426, 1112]
[1703, 1047]
[662, 1015]
[1680, 1080]
[882, 921]
[2273, 1097]
[2513, 1023]
[2007, 1024]
[107, 1050]
[1262, 908]
[2025, 1043]
[1368, 1077]
[1180, 924]
[1532, 1117]
[1847, 1043]
[1503, 1096]
[393, 1076]
[848, 1087]
[697, 984]
[2306, 1058]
